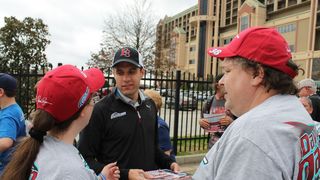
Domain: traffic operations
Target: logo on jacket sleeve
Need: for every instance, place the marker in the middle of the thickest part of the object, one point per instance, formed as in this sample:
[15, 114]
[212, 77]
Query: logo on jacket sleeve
[116, 115]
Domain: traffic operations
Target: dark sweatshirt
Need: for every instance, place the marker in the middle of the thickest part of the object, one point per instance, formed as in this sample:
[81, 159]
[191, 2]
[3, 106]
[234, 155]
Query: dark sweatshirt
[119, 132]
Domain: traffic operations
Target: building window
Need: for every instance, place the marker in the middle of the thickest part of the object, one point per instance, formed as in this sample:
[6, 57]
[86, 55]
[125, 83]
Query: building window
[292, 48]
[192, 48]
[316, 69]
[192, 61]
[286, 28]
[244, 23]
[227, 41]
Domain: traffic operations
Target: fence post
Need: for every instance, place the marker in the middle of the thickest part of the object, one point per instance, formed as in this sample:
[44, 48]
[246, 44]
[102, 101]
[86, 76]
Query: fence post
[176, 111]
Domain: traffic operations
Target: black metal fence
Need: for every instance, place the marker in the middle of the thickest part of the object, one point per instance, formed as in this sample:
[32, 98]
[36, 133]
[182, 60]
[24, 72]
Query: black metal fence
[27, 76]
[183, 98]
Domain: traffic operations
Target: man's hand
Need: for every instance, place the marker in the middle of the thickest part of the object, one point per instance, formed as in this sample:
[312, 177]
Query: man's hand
[225, 121]
[204, 123]
[111, 171]
[175, 167]
[138, 174]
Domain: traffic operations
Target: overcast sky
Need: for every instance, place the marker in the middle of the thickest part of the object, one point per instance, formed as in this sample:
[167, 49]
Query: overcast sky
[76, 26]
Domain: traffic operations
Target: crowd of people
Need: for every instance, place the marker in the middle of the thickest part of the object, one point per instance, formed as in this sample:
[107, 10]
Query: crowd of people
[266, 121]
[119, 136]
[273, 136]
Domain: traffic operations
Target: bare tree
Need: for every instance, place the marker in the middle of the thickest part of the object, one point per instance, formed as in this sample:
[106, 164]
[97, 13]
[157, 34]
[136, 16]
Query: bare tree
[166, 62]
[132, 26]
[102, 59]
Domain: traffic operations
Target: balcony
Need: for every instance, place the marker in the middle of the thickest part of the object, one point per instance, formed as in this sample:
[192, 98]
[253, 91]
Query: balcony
[195, 19]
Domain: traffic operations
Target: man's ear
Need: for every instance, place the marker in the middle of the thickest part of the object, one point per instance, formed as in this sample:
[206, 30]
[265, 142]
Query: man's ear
[311, 110]
[142, 71]
[1, 92]
[258, 78]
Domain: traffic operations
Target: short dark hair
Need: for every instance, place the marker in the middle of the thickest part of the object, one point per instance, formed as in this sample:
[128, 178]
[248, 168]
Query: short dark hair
[216, 81]
[273, 78]
[218, 77]
[9, 93]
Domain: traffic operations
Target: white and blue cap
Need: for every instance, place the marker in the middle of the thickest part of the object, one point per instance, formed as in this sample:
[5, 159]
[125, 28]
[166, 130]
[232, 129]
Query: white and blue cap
[128, 54]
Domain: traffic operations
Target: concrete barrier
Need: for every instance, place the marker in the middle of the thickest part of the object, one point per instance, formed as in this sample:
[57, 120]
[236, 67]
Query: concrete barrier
[190, 159]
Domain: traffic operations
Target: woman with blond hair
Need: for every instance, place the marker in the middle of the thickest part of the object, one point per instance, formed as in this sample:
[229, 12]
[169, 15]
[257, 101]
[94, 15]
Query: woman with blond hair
[163, 128]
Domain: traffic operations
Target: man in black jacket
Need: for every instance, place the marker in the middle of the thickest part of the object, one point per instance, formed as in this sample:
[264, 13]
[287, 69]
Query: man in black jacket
[123, 125]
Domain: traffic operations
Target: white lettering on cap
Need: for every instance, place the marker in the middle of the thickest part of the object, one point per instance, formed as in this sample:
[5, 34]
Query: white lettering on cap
[42, 100]
[84, 75]
[215, 51]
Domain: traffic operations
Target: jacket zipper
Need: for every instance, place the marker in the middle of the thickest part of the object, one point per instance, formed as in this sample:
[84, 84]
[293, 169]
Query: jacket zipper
[139, 116]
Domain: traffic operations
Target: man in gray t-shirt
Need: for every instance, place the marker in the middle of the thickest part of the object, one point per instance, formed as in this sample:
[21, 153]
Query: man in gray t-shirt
[273, 137]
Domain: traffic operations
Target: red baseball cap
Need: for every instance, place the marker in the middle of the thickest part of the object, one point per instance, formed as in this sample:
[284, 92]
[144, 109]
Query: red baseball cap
[259, 44]
[65, 89]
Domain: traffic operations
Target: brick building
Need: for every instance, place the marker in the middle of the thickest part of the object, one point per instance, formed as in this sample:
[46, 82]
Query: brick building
[183, 39]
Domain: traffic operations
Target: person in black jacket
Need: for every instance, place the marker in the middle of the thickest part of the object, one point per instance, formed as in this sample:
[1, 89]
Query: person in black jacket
[308, 88]
[123, 125]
